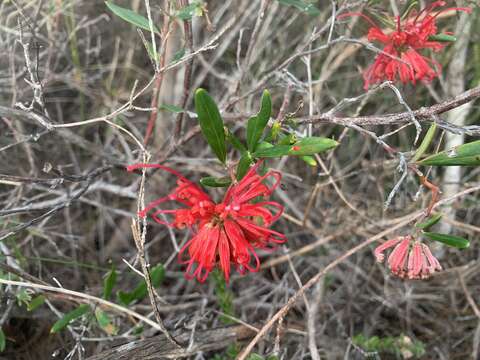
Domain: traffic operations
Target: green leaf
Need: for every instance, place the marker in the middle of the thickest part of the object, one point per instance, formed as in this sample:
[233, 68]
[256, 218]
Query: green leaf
[216, 182]
[385, 21]
[189, 11]
[125, 298]
[450, 240]
[442, 38]
[178, 55]
[257, 123]
[288, 139]
[232, 351]
[69, 317]
[236, 143]
[306, 146]
[244, 164]
[409, 6]
[255, 356]
[224, 297]
[211, 123]
[462, 155]
[303, 6]
[138, 330]
[104, 322]
[273, 151]
[264, 145]
[23, 297]
[109, 282]
[131, 16]
[313, 145]
[427, 140]
[310, 160]
[36, 302]
[3, 340]
[157, 275]
[171, 108]
[430, 222]
[149, 47]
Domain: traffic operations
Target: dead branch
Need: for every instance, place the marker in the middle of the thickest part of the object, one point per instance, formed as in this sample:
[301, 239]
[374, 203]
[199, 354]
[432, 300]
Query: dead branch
[158, 347]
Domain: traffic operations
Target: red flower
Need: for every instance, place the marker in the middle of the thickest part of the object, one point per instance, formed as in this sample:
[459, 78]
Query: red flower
[400, 57]
[409, 258]
[225, 233]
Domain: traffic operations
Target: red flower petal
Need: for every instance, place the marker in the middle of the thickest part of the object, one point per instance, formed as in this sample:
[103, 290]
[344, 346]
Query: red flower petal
[378, 252]
[224, 253]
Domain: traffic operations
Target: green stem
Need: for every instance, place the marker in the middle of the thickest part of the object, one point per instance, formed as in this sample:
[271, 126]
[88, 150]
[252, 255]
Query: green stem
[427, 140]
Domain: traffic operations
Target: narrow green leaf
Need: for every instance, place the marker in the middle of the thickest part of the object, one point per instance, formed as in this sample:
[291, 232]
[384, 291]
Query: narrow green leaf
[131, 16]
[450, 240]
[255, 356]
[23, 297]
[310, 160]
[427, 140]
[306, 146]
[104, 322]
[171, 108]
[216, 182]
[442, 38]
[138, 330]
[224, 297]
[272, 357]
[236, 143]
[264, 145]
[409, 6]
[232, 351]
[386, 21]
[149, 47]
[273, 151]
[69, 317]
[3, 340]
[462, 155]
[257, 123]
[211, 123]
[36, 302]
[189, 11]
[109, 282]
[303, 6]
[288, 139]
[312, 145]
[125, 298]
[430, 222]
[178, 55]
[157, 274]
[244, 164]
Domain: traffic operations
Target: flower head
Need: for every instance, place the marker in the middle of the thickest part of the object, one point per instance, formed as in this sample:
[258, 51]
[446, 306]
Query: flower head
[225, 233]
[409, 258]
[400, 57]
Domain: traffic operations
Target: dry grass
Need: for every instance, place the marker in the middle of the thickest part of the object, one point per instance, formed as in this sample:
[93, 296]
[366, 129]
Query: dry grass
[86, 84]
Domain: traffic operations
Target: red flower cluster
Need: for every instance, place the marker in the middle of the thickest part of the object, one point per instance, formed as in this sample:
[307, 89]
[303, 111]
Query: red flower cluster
[400, 56]
[409, 258]
[225, 233]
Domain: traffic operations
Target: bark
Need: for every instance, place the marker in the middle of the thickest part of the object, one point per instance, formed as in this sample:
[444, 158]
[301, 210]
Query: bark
[158, 347]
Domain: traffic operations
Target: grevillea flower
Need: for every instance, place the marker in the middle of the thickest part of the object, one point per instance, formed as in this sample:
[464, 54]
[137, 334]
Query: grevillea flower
[400, 57]
[409, 258]
[225, 233]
